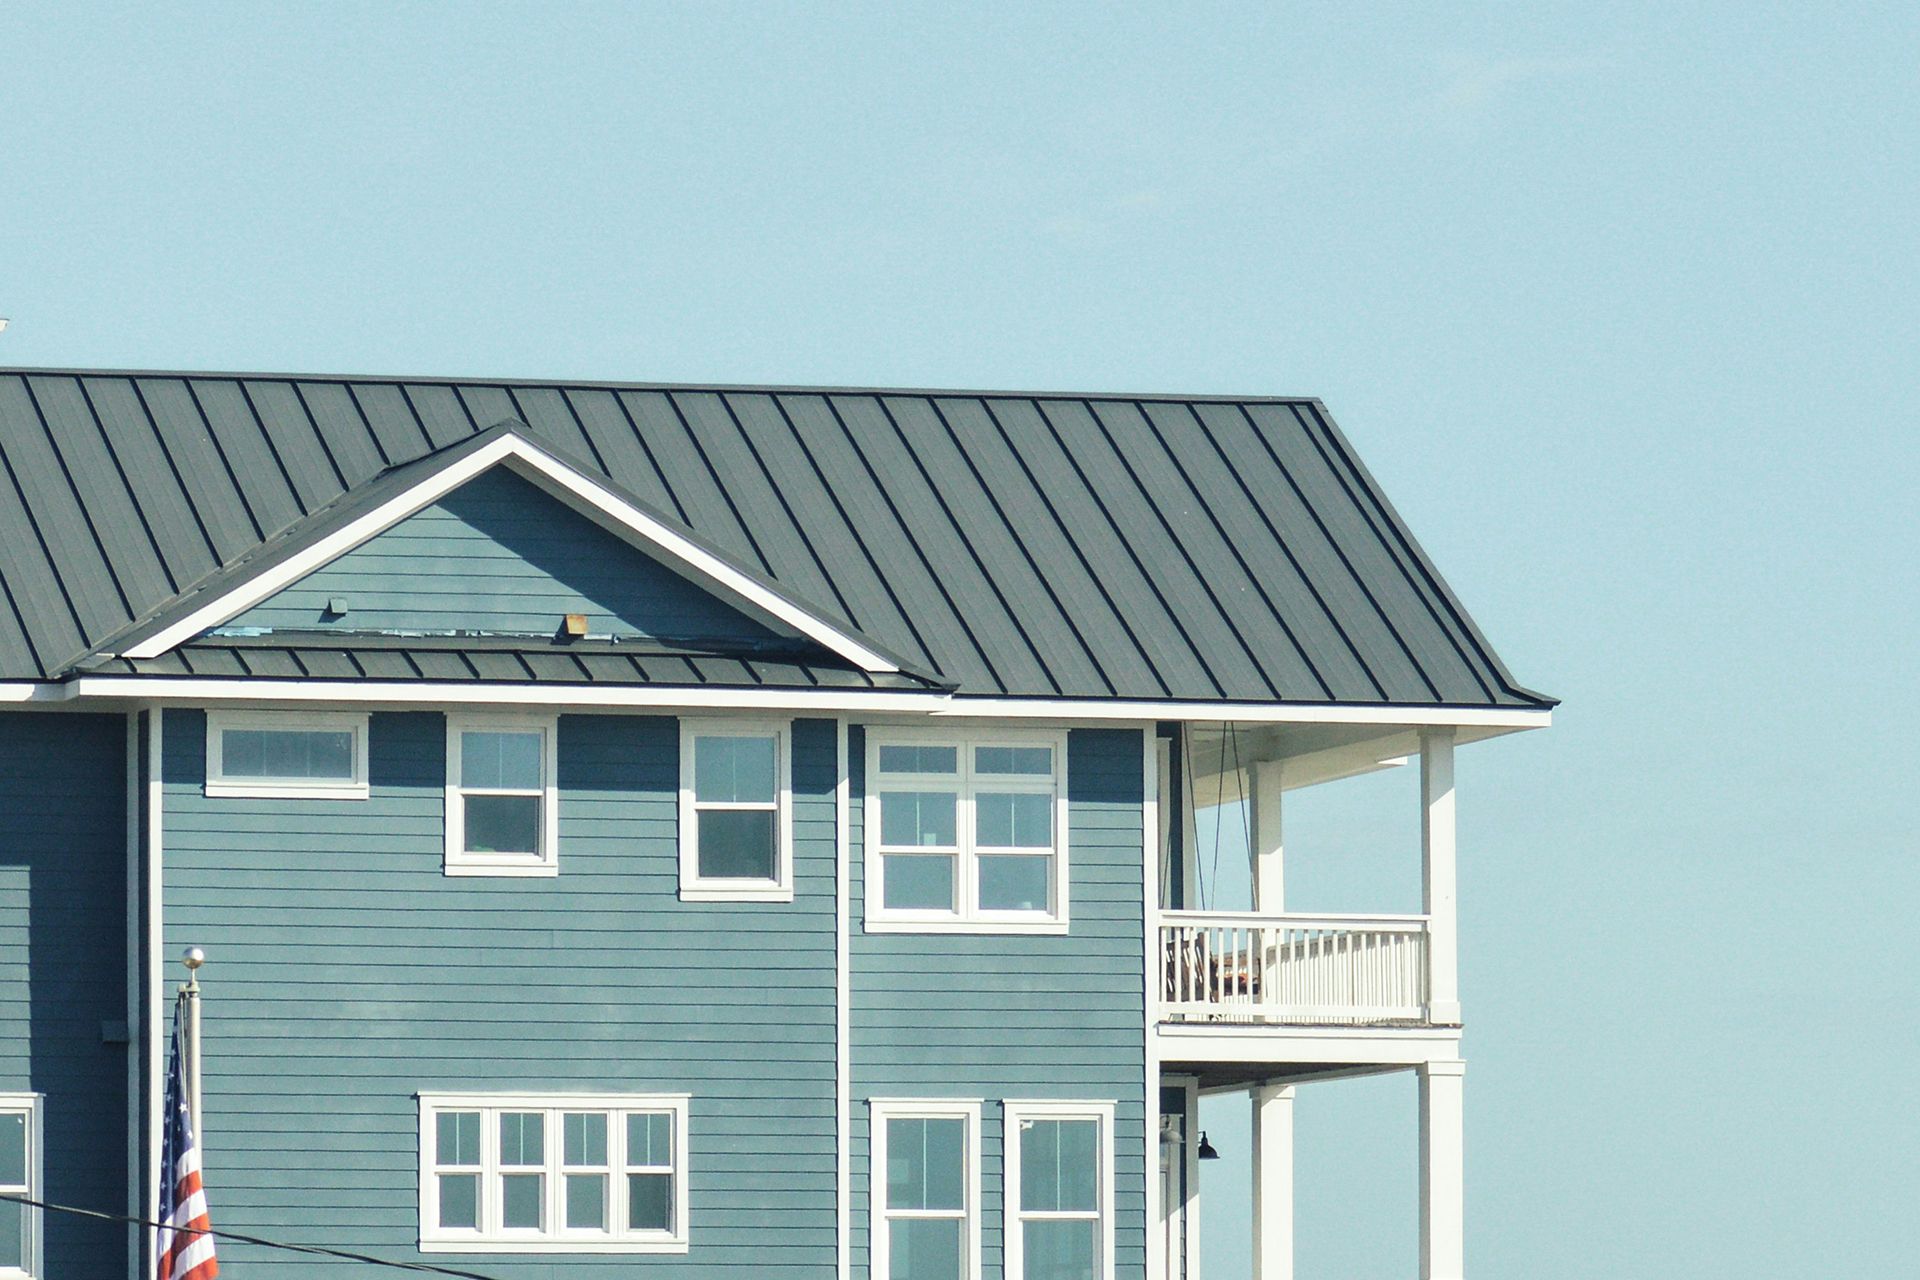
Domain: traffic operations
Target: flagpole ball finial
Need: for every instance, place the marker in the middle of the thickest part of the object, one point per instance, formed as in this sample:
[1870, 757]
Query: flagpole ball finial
[193, 958]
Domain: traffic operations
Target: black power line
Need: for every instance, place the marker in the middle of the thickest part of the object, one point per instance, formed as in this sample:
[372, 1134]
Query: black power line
[317, 1250]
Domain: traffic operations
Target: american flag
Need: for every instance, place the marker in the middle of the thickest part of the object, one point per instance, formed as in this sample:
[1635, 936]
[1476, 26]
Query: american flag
[184, 1250]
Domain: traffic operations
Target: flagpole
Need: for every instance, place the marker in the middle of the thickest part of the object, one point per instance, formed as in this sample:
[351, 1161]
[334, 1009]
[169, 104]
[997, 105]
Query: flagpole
[192, 958]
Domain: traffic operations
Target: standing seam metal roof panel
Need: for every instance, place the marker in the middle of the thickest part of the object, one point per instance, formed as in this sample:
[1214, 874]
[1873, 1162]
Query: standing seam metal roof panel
[1189, 548]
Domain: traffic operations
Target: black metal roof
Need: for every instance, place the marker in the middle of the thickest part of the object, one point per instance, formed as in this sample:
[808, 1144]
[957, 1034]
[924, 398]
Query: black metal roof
[480, 659]
[1155, 547]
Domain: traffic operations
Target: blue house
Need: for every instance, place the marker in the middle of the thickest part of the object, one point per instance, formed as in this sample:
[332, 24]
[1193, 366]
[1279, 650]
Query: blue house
[696, 831]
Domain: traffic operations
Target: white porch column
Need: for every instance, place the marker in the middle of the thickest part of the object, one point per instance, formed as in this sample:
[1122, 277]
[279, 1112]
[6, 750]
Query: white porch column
[1437, 863]
[1443, 1249]
[1273, 1182]
[1269, 883]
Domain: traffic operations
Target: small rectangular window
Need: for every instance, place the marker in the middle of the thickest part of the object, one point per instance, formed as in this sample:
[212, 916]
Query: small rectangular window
[519, 1173]
[926, 1189]
[735, 811]
[1059, 1172]
[20, 1176]
[287, 754]
[966, 835]
[501, 811]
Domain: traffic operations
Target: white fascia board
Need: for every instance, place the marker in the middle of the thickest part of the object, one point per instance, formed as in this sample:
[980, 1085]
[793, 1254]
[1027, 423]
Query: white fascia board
[425, 693]
[931, 702]
[533, 463]
[1330, 1046]
[30, 691]
[1245, 713]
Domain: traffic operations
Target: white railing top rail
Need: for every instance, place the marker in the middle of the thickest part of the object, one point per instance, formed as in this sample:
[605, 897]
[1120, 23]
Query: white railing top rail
[1293, 920]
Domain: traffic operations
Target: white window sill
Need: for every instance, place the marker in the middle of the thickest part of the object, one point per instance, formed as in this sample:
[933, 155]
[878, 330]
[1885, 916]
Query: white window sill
[283, 791]
[655, 1245]
[886, 924]
[710, 891]
[534, 869]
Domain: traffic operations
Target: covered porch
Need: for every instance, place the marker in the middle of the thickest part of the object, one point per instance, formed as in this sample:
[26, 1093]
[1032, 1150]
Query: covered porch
[1253, 999]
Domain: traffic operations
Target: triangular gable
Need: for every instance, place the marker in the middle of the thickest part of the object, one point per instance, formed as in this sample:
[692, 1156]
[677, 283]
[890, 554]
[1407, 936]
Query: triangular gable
[498, 556]
[406, 491]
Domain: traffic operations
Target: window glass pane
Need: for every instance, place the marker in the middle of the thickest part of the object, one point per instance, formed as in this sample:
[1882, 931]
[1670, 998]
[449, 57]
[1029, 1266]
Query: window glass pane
[923, 818]
[1007, 820]
[584, 1137]
[1015, 882]
[287, 753]
[1020, 760]
[520, 1197]
[649, 1202]
[457, 1137]
[13, 1235]
[523, 1137]
[917, 882]
[1059, 1166]
[739, 770]
[650, 1140]
[493, 758]
[587, 1201]
[926, 1164]
[13, 1149]
[1056, 1250]
[923, 1249]
[503, 824]
[737, 844]
[919, 759]
[460, 1200]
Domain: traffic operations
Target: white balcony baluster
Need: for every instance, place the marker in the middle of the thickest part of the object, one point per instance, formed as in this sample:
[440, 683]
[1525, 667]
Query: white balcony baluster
[1293, 969]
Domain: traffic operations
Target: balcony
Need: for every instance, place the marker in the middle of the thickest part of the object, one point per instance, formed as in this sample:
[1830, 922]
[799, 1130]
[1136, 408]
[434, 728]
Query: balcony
[1295, 970]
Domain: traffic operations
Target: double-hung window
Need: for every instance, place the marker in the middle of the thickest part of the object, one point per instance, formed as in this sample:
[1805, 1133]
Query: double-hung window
[925, 1215]
[287, 755]
[966, 833]
[502, 818]
[579, 1173]
[736, 802]
[1058, 1192]
[20, 1176]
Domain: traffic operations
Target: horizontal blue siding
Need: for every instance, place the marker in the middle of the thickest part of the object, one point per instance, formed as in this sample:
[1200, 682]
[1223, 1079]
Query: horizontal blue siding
[999, 1017]
[347, 974]
[500, 555]
[63, 966]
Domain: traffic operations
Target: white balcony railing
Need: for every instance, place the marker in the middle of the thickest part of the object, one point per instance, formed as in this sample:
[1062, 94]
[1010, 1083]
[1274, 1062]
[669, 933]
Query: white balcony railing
[1293, 969]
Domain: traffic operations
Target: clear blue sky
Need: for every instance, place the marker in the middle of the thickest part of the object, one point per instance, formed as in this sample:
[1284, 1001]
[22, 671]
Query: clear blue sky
[1619, 302]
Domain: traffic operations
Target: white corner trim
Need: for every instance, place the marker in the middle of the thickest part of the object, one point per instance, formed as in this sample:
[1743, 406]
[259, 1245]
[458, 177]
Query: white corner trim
[1150, 987]
[843, 1004]
[152, 1017]
[532, 463]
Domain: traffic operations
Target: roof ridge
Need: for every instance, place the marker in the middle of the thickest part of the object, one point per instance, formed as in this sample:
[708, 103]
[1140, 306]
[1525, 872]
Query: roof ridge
[724, 388]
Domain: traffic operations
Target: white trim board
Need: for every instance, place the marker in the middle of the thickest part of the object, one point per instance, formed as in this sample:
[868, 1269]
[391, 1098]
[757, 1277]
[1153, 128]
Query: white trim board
[533, 463]
[932, 702]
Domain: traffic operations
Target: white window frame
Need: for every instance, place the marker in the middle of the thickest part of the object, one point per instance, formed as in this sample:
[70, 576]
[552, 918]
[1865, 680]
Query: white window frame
[546, 862]
[1017, 1112]
[219, 784]
[31, 1104]
[968, 918]
[879, 1217]
[693, 886]
[554, 1238]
